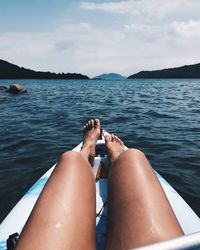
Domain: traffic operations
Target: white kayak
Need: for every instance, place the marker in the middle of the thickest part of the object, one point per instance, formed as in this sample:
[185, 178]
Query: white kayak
[16, 219]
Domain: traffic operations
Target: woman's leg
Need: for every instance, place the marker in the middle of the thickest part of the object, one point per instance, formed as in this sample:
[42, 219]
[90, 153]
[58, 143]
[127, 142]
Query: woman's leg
[64, 215]
[138, 210]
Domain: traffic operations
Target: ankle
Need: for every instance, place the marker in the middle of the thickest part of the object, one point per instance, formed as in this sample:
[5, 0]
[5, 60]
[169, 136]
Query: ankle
[88, 155]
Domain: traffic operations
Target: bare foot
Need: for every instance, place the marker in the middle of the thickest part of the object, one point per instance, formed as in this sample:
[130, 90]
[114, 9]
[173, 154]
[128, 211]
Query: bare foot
[114, 146]
[91, 133]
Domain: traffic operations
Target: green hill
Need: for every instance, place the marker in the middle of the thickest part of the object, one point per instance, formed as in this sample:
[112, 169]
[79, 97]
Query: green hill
[187, 71]
[12, 71]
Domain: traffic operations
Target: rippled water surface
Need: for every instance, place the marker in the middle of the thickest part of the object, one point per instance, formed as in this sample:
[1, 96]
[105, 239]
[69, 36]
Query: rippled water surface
[160, 117]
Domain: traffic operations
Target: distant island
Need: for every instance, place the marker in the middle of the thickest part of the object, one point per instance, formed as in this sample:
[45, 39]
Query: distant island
[187, 71]
[12, 71]
[110, 76]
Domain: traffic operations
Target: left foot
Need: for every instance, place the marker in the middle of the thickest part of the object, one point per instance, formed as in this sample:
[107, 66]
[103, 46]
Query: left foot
[91, 133]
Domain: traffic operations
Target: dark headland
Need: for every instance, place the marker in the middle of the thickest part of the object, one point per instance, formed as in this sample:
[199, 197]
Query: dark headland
[12, 71]
[187, 71]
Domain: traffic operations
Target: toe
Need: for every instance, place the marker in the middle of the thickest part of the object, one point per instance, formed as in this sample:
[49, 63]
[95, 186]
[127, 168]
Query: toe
[92, 123]
[117, 139]
[85, 129]
[121, 142]
[107, 138]
[97, 123]
[112, 137]
[87, 124]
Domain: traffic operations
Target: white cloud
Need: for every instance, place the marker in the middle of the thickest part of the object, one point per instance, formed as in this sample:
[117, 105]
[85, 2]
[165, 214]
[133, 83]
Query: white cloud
[146, 10]
[120, 8]
[72, 48]
[189, 30]
[132, 7]
[140, 42]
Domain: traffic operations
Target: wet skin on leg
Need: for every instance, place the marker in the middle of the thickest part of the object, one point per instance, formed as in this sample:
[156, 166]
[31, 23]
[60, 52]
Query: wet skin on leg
[138, 210]
[64, 216]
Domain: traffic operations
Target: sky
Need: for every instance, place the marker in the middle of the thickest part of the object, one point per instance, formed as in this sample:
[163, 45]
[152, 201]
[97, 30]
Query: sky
[94, 37]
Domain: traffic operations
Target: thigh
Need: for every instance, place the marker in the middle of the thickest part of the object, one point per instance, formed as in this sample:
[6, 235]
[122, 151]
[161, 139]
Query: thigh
[64, 215]
[138, 211]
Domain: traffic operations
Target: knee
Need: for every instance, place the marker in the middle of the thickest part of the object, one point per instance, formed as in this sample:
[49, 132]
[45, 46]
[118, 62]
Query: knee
[135, 153]
[132, 155]
[70, 156]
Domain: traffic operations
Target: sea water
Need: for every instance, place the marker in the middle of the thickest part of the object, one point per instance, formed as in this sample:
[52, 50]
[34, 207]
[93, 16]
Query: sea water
[159, 117]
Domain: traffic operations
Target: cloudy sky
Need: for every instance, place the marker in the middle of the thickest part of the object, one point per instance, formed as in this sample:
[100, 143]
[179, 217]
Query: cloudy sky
[93, 37]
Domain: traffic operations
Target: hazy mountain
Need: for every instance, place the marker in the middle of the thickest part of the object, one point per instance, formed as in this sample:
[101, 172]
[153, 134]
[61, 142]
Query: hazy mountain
[187, 71]
[12, 71]
[110, 76]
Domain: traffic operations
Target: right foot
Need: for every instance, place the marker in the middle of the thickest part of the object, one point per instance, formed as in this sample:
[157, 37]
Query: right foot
[114, 146]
